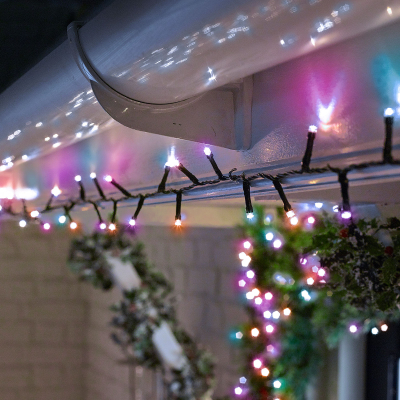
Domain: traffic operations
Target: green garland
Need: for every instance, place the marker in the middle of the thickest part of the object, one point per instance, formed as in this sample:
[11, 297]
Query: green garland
[141, 311]
[360, 287]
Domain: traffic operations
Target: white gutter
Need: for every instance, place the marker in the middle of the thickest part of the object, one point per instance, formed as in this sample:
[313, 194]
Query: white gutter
[222, 41]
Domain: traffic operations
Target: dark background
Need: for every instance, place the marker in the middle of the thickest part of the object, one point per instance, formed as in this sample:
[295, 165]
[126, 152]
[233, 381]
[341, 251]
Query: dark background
[30, 29]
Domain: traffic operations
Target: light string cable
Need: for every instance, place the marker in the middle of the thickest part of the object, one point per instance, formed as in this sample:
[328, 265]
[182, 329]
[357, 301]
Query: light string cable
[276, 180]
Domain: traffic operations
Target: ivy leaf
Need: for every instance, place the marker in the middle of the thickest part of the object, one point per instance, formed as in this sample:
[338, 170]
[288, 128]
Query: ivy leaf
[389, 270]
[386, 300]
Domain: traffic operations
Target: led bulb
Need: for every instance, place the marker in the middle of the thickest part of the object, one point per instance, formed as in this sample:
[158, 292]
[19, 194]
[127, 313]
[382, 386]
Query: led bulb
[249, 296]
[353, 329]
[242, 283]
[250, 215]
[321, 272]
[277, 384]
[108, 178]
[34, 214]
[255, 332]
[178, 222]
[112, 227]
[257, 363]
[250, 274]
[132, 222]
[258, 301]
[294, 221]
[389, 112]
[312, 129]
[22, 223]
[276, 315]
[277, 244]
[374, 331]
[239, 335]
[319, 205]
[311, 220]
[238, 390]
[265, 372]
[269, 328]
[246, 261]
[268, 296]
[310, 281]
[73, 225]
[290, 214]
[56, 191]
[346, 214]
[78, 178]
[103, 226]
[62, 219]
[46, 226]
[242, 380]
[247, 244]
[267, 314]
[172, 162]
[256, 292]
[384, 328]
[269, 236]
[93, 175]
[207, 151]
[287, 311]
[242, 255]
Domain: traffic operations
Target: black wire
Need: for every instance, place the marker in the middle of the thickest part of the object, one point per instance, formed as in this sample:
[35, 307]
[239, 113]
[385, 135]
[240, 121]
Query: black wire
[115, 209]
[344, 187]
[161, 186]
[305, 165]
[99, 189]
[121, 189]
[215, 167]
[139, 207]
[278, 186]
[178, 205]
[247, 196]
[387, 150]
[188, 174]
[82, 194]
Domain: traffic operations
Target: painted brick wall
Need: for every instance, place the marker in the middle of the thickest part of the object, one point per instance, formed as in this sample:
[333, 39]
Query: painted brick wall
[54, 332]
[43, 316]
[202, 264]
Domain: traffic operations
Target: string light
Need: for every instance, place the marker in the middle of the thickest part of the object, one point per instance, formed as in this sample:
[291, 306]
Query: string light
[319, 205]
[268, 296]
[103, 226]
[250, 296]
[242, 255]
[276, 180]
[255, 332]
[269, 328]
[242, 380]
[132, 222]
[310, 281]
[353, 329]
[258, 301]
[311, 220]
[267, 314]
[238, 390]
[62, 219]
[277, 384]
[305, 165]
[257, 363]
[247, 245]
[250, 274]
[35, 214]
[242, 283]
[277, 243]
[265, 372]
[207, 151]
[276, 315]
[269, 236]
[239, 335]
[294, 221]
[246, 261]
[374, 331]
[384, 328]
[256, 292]
[46, 226]
[22, 223]
[56, 191]
[287, 311]
[73, 225]
[112, 227]
[321, 272]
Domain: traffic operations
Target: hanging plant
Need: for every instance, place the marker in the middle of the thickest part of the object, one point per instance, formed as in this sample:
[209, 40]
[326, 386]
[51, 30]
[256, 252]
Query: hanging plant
[305, 282]
[145, 319]
[363, 260]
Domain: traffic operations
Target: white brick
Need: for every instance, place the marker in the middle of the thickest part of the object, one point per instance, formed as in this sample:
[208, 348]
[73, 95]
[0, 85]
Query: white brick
[15, 332]
[50, 333]
[56, 311]
[18, 291]
[201, 281]
[14, 378]
[45, 377]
